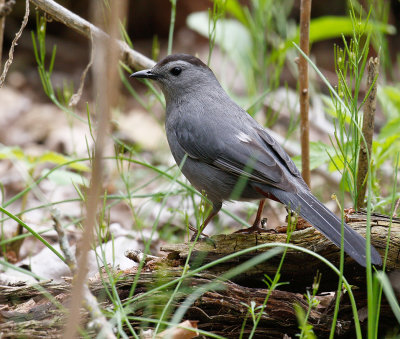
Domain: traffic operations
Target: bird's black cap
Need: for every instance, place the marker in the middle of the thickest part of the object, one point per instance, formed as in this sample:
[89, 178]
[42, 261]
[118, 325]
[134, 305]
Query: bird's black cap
[183, 57]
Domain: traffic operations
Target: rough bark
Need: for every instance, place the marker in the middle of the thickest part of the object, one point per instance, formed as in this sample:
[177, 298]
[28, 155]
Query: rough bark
[299, 268]
[222, 309]
[364, 158]
[85, 28]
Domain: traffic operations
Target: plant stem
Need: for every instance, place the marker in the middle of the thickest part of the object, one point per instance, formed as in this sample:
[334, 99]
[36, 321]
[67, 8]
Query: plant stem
[340, 283]
[305, 11]
[171, 25]
[368, 131]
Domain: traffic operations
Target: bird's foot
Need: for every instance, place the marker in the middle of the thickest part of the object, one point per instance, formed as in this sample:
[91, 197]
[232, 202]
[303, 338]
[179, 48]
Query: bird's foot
[257, 229]
[200, 237]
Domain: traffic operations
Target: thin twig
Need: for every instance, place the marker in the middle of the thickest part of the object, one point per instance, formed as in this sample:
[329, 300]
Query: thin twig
[77, 96]
[69, 255]
[6, 7]
[364, 158]
[99, 321]
[80, 25]
[13, 44]
[305, 12]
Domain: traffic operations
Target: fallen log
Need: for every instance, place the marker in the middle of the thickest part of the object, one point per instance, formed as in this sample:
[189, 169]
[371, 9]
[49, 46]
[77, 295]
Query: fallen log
[221, 307]
[298, 268]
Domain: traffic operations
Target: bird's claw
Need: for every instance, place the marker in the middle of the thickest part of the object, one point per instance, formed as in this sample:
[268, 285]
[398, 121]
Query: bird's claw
[257, 229]
[201, 237]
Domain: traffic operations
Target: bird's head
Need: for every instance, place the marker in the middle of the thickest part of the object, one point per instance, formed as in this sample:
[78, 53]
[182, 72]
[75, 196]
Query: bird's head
[178, 74]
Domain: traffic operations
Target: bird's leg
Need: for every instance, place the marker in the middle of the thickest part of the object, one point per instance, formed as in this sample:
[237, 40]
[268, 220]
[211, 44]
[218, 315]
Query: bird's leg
[194, 229]
[213, 213]
[202, 227]
[256, 225]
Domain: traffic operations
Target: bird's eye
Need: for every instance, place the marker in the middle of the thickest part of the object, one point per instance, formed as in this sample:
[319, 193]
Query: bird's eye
[176, 71]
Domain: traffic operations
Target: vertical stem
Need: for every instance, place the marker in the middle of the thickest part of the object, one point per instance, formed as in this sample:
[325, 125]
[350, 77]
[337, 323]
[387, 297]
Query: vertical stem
[305, 11]
[364, 158]
[171, 26]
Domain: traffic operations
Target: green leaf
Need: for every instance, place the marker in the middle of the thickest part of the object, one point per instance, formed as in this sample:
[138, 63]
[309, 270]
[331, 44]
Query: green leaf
[333, 111]
[231, 36]
[389, 98]
[337, 163]
[318, 155]
[59, 159]
[235, 8]
[392, 128]
[306, 328]
[12, 152]
[330, 27]
[390, 295]
[64, 178]
[384, 148]
[55, 158]
[393, 94]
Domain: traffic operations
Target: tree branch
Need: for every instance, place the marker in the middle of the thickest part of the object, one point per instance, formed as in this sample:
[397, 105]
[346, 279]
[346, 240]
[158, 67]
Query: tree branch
[129, 56]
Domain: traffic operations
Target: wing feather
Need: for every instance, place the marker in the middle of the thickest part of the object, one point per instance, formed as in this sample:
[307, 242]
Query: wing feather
[259, 158]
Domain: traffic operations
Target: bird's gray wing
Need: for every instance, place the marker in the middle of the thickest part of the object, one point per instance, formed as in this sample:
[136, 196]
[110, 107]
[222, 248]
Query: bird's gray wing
[243, 150]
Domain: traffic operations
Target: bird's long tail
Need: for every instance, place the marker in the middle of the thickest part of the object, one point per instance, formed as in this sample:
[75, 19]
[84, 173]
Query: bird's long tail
[312, 210]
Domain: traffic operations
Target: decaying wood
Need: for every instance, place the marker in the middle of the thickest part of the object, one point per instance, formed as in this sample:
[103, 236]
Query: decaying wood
[222, 309]
[299, 268]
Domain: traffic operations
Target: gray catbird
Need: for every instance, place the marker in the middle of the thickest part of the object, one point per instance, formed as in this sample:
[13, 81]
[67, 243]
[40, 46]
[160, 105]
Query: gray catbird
[229, 156]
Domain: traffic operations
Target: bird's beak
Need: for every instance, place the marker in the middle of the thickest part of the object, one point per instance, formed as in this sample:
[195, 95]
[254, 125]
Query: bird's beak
[147, 74]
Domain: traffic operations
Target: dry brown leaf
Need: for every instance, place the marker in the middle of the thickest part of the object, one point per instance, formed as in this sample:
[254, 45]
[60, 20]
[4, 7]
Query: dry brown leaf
[176, 332]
